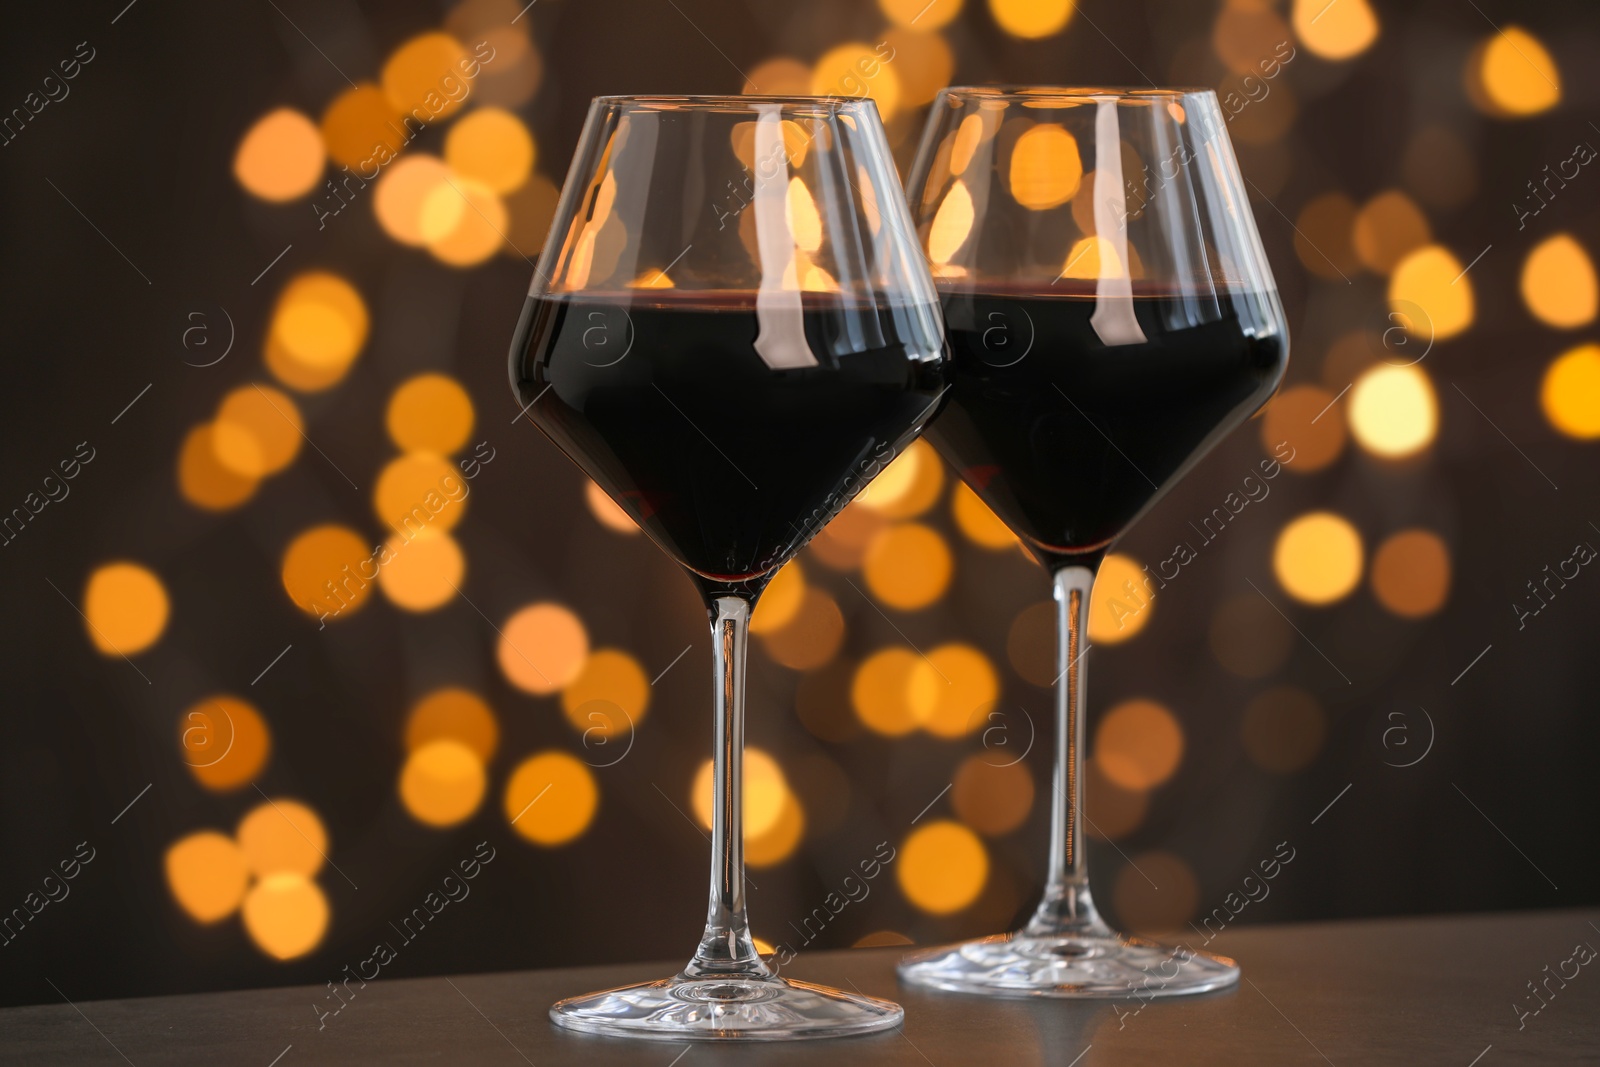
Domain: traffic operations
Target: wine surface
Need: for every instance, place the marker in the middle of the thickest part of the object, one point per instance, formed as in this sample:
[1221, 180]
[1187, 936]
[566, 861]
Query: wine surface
[1068, 438]
[730, 436]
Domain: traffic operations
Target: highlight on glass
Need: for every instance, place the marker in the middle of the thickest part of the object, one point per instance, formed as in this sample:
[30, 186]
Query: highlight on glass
[731, 330]
[1111, 317]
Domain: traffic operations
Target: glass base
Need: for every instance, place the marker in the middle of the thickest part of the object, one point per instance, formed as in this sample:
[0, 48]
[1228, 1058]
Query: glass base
[1109, 967]
[725, 1009]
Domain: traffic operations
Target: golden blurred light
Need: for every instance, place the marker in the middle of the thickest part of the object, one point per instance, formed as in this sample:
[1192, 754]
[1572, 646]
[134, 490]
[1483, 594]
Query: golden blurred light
[1249, 637]
[257, 431]
[804, 222]
[908, 486]
[1246, 35]
[952, 224]
[1512, 75]
[551, 798]
[981, 525]
[1143, 908]
[207, 875]
[1110, 812]
[286, 915]
[908, 566]
[1558, 283]
[224, 742]
[420, 490]
[442, 782]
[406, 186]
[993, 798]
[542, 648]
[781, 601]
[362, 129]
[423, 570]
[1570, 394]
[883, 939]
[516, 71]
[922, 59]
[812, 637]
[779, 77]
[1094, 257]
[779, 842]
[1393, 412]
[1337, 30]
[430, 413]
[614, 678]
[1387, 228]
[530, 209]
[1435, 281]
[1122, 600]
[1283, 729]
[924, 16]
[456, 715]
[125, 608]
[1138, 744]
[881, 691]
[942, 867]
[476, 223]
[282, 836]
[491, 146]
[951, 688]
[1031, 643]
[1318, 558]
[323, 556]
[766, 792]
[203, 480]
[318, 328]
[969, 135]
[1289, 419]
[843, 543]
[281, 157]
[1031, 18]
[608, 512]
[1411, 573]
[856, 69]
[1323, 236]
[1045, 167]
[421, 73]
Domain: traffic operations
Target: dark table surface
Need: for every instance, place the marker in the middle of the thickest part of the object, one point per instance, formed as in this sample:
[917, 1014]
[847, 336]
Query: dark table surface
[1442, 990]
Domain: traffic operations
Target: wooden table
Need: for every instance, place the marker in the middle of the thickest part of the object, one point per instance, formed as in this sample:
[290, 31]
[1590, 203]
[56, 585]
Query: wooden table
[1442, 990]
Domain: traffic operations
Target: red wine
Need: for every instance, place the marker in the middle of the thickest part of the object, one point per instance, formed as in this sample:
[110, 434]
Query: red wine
[730, 445]
[1068, 438]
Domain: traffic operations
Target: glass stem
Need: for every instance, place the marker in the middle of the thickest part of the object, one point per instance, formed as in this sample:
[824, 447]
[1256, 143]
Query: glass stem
[726, 949]
[1067, 908]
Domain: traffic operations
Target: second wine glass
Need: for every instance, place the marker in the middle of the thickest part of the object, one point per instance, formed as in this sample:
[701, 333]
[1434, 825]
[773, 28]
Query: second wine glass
[1111, 317]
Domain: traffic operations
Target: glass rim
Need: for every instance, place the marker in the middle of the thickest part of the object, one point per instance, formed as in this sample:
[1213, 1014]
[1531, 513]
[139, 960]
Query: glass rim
[1074, 93]
[712, 102]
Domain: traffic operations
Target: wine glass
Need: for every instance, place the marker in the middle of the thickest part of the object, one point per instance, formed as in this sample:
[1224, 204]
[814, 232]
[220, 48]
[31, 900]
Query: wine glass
[731, 330]
[1111, 317]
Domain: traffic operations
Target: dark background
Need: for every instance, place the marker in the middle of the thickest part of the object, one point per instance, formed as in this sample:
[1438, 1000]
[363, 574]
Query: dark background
[143, 146]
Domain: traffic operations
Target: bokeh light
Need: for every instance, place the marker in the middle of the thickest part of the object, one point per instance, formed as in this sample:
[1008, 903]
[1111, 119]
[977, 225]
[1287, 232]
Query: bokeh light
[430, 413]
[855, 69]
[419, 491]
[1435, 281]
[780, 601]
[405, 187]
[812, 637]
[1570, 392]
[1122, 600]
[1387, 228]
[950, 688]
[224, 742]
[442, 782]
[207, 874]
[282, 835]
[257, 431]
[766, 793]
[1045, 167]
[327, 571]
[908, 566]
[608, 512]
[1558, 283]
[924, 16]
[542, 648]
[618, 682]
[419, 75]
[1318, 558]
[281, 157]
[908, 486]
[924, 63]
[125, 608]
[455, 714]
[1032, 18]
[491, 146]
[1393, 412]
[942, 867]
[880, 692]
[782, 76]
[1411, 573]
[551, 798]
[318, 328]
[1340, 30]
[1138, 744]
[1511, 75]
[1300, 416]
[202, 479]
[286, 915]
[778, 842]
[1283, 729]
[977, 521]
[476, 223]
[993, 798]
[362, 129]
[422, 571]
